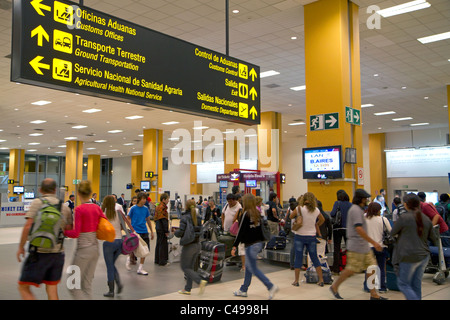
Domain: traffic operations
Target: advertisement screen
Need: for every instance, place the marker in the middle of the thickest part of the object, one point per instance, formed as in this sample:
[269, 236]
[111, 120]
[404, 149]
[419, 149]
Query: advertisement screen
[322, 162]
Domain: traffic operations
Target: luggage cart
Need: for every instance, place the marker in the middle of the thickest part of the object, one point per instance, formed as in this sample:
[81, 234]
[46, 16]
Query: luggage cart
[439, 263]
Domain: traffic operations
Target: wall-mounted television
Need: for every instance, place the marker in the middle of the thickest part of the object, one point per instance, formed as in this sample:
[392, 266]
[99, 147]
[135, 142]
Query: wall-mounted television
[29, 195]
[322, 162]
[18, 189]
[250, 183]
[145, 186]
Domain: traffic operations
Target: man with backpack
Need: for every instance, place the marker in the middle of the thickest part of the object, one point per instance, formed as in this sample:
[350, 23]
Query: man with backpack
[443, 207]
[46, 221]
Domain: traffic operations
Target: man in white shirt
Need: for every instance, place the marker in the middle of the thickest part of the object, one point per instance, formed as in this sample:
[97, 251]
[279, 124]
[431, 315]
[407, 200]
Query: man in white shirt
[229, 212]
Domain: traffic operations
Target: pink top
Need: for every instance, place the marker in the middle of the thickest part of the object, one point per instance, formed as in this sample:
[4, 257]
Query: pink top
[86, 219]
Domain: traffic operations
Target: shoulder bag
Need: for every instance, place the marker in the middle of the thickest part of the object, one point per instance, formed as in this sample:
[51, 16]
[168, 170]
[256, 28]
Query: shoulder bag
[388, 240]
[298, 221]
[130, 241]
[105, 230]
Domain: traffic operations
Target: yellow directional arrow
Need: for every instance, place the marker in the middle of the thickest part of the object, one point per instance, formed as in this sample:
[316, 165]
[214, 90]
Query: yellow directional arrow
[253, 112]
[253, 74]
[37, 65]
[253, 93]
[41, 33]
[38, 6]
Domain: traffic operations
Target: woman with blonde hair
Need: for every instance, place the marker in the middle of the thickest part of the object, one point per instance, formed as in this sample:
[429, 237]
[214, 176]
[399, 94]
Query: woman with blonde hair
[189, 234]
[250, 234]
[311, 219]
[86, 219]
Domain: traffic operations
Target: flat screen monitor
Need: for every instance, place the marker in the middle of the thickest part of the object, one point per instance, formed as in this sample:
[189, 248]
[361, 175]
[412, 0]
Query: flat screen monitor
[18, 189]
[223, 184]
[250, 183]
[29, 195]
[322, 162]
[145, 185]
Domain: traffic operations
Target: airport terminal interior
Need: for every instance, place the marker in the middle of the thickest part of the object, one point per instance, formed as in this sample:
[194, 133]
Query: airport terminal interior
[194, 97]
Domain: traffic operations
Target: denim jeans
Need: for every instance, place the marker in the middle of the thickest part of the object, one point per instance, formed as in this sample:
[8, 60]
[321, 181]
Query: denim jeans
[409, 279]
[311, 245]
[251, 268]
[111, 251]
[381, 262]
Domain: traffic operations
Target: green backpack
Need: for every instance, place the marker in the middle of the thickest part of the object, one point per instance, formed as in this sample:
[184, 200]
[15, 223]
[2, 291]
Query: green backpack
[46, 231]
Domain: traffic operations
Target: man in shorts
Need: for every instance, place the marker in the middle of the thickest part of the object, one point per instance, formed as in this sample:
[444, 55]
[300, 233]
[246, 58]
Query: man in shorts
[42, 265]
[359, 254]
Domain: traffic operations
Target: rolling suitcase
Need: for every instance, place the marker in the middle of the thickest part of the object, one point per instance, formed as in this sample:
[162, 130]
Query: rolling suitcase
[391, 277]
[276, 243]
[312, 277]
[212, 257]
[228, 241]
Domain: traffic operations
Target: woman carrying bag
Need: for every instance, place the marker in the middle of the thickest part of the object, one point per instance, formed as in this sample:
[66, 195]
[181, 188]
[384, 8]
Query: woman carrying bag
[251, 234]
[189, 234]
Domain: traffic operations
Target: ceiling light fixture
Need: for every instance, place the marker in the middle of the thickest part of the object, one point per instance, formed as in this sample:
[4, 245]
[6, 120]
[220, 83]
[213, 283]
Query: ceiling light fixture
[200, 128]
[269, 73]
[299, 88]
[115, 131]
[170, 123]
[100, 141]
[41, 103]
[92, 110]
[35, 134]
[134, 117]
[402, 119]
[296, 124]
[419, 124]
[434, 38]
[38, 121]
[368, 105]
[34, 143]
[384, 113]
[235, 11]
[79, 127]
[71, 138]
[404, 8]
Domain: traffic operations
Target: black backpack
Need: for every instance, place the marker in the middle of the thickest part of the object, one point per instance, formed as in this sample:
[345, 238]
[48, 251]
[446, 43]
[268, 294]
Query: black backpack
[442, 209]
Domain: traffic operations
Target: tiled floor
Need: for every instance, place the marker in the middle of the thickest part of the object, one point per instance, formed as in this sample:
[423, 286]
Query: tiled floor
[162, 283]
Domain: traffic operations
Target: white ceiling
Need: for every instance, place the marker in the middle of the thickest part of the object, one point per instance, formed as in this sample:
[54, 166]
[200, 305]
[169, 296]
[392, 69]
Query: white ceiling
[260, 34]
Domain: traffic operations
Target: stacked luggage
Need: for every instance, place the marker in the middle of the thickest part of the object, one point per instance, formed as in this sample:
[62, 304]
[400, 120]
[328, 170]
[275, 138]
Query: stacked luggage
[311, 273]
[212, 257]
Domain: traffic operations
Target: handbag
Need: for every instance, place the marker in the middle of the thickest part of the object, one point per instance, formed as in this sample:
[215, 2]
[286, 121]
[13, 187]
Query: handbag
[142, 249]
[234, 228]
[388, 240]
[130, 241]
[265, 229]
[298, 222]
[105, 230]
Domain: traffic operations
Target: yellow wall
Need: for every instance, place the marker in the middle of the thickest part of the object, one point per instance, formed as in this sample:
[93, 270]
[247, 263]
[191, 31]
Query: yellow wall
[74, 166]
[152, 159]
[93, 174]
[378, 175]
[16, 169]
[136, 173]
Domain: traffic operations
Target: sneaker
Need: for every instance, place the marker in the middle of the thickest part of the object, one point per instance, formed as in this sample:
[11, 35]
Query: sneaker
[142, 272]
[202, 286]
[379, 298]
[240, 293]
[383, 291]
[272, 292]
[187, 293]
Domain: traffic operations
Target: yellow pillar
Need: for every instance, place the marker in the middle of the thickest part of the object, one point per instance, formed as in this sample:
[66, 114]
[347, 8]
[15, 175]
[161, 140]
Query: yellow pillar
[269, 146]
[195, 188]
[136, 173]
[378, 174]
[332, 68]
[448, 105]
[16, 169]
[74, 166]
[93, 174]
[152, 159]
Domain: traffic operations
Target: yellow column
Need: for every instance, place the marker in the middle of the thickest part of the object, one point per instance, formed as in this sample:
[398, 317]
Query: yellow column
[93, 174]
[448, 105]
[269, 146]
[152, 159]
[195, 188]
[74, 166]
[16, 169]
[378, 175]
[332, 68]
[136, 173]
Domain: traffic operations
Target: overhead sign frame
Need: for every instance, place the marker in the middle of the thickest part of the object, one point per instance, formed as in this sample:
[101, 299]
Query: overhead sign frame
[64, 46]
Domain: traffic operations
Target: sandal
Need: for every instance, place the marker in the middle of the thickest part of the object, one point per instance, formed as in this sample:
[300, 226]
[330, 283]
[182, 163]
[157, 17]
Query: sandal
[320, 284]
[295, 284]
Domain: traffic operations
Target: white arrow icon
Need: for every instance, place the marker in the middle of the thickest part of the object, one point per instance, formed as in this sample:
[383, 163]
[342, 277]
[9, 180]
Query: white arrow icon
[332, 121]
[356, 116]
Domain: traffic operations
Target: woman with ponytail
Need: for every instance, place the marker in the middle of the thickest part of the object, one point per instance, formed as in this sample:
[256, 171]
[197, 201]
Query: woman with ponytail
[411, 252]
[189, 234]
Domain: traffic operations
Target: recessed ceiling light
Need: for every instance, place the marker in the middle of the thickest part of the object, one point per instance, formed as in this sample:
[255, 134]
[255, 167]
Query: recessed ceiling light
[376, 75]
[115, 131]
[402, 119]
[4, 148]
[134, 117]
[114, 150]
[38, 121]
[79, 127]
[445, 106]
[36, 134]
[384, 113]
[293, 38]
[91, 148]
[128, 144]
[2, 140]
[173, 139]
[419, 124]
[59, 152]
[34, 143]
[41, 103]
[403, 88]
[368, 105]
[299, 88]
[434, 38]
[200, 128]
[32, 150]
[235, 11]
[71, 138]
[62, 146]
[269, 73]
[296, 124]
[92, 110]
[100, 141]
[404, 8]
[137, 152]
[170, 123]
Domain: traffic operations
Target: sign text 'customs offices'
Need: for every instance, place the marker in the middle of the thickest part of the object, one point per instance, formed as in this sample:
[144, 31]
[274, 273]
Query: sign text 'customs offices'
[60, 45]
